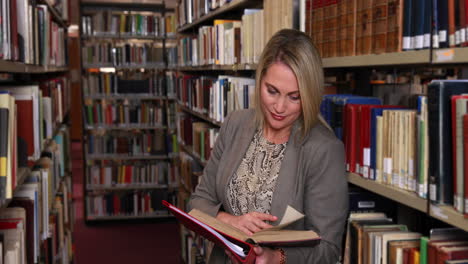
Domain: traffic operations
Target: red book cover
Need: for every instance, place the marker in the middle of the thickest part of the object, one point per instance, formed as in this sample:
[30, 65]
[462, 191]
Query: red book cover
[350, 135]
[465, 159]
[357, 138]
[25, 122]
[451, 253]
[116, 204]
[128, 174]
[147, 202]
[193, 224]
[434, 246]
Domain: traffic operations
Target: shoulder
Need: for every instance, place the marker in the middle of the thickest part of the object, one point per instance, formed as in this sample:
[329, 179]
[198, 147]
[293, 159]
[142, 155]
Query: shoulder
[239, 119]
[321, 139]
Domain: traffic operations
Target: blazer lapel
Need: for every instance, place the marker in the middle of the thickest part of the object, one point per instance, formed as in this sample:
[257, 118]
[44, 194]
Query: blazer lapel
[287, 179]
[237, 152]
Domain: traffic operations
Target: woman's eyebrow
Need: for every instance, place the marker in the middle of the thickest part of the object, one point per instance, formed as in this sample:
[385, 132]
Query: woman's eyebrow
[274, 87]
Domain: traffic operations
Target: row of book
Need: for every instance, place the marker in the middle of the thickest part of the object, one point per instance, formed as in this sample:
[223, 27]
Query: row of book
[190, 10]
[38, 223]
[32, 113]
[28, 34]
[359, 27]
[417, 147]
[144, 84]
[113, 23]
[144, 142]
[128, 203]
[200, 136]
[190, 171]
[277, 14]
[125, 112]
[215, 97]
[372, 237]
[102, 54]
[227, 42]
[112, 174]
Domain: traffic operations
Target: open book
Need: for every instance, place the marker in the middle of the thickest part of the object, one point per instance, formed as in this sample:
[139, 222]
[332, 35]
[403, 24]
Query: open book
[239, 243]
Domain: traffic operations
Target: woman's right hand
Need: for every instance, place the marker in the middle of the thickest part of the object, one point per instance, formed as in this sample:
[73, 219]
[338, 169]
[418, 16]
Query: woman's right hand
[248, 223]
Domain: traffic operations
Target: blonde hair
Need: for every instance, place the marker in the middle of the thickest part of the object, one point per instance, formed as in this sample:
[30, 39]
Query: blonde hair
[294, 49]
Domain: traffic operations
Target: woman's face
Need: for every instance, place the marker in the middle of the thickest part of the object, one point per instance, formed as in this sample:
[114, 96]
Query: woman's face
[280, 98]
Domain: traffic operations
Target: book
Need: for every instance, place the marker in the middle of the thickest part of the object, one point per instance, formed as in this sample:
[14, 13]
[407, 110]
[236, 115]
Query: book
[238, 243]
[465, 162]
[440, 131]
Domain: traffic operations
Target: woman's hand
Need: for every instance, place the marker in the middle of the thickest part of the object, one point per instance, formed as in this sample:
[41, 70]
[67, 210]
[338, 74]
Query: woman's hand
[264, 256]
[248, 223]
[267, 255]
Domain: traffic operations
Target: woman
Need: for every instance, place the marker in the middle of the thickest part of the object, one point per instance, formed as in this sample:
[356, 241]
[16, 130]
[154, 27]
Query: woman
[280, 153]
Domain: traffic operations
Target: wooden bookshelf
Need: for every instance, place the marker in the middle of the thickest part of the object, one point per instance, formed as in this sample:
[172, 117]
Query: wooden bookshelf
[128, 217]
[448, 56]
[100, 67]
[124, 127]
[199, 115]
[235, 67]
[125, 157]
[126, 96]
[121, 37]
[127, 187]
[385, 59]
[19, 67]
[195, 156]
[234, 5]
[401, 196]
[448, 215]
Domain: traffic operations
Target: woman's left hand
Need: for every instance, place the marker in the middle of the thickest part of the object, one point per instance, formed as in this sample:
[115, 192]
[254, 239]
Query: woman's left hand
[267, 255]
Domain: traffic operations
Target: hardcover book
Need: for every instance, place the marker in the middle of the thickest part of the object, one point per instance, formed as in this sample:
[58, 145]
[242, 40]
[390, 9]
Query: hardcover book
[240, 244]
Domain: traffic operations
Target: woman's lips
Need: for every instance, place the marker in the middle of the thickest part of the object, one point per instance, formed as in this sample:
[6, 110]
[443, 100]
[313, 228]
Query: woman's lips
[277, 117]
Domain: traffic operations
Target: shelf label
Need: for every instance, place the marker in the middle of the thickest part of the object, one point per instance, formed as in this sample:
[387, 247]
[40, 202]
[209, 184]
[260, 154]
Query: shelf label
[444, 55]
[438, 212]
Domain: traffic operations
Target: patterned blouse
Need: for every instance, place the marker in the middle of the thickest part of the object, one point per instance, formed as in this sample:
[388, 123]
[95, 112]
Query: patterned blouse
[251, 187]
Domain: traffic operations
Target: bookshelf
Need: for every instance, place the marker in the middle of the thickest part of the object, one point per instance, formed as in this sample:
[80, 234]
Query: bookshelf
[132, 83]
[234, 5]
[37, 83]
[403, 197]
[385, 59]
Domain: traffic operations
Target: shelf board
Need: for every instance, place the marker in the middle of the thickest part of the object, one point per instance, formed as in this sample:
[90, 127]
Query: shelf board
[125, 67]
[128, 187]
[384, 59]
[127, 217]
[234, 67]
[121, 37]
[448, 214]
[201, 116]
[124, 157]
[126, 96]
[401, 196]
[232, 6]
[19, 67]
[120, 127]
[448, 56]
[189, 150]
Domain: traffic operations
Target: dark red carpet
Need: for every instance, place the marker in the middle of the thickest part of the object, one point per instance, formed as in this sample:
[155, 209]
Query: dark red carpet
[122, 242]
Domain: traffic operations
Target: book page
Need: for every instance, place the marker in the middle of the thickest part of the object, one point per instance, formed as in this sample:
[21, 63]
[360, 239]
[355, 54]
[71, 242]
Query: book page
[290, 216]
[235, 248]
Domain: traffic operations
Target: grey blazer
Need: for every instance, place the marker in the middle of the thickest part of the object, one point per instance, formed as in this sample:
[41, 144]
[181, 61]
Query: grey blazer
[311, 179]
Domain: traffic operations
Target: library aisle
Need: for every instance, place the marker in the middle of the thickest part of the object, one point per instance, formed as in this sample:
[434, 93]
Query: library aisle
[119, 242]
